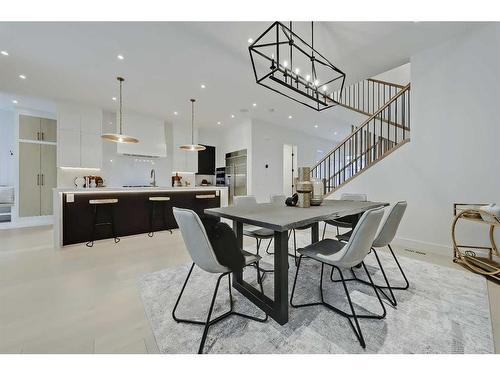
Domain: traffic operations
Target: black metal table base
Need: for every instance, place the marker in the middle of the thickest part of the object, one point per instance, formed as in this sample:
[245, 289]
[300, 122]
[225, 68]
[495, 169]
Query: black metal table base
[277, 308]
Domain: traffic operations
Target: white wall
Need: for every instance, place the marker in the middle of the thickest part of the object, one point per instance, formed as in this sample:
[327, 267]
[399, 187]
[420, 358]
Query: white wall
[267, 148]
[7, 144]
[400, 75]
[453, 155]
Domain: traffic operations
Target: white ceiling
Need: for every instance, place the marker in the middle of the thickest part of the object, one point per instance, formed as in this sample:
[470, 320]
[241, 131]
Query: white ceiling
[166, 62]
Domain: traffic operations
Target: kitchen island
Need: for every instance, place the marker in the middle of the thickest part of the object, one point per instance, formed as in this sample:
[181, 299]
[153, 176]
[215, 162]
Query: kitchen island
[73, 215]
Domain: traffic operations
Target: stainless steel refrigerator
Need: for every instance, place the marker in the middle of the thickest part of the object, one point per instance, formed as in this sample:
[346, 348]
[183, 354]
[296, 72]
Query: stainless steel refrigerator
[236, 173]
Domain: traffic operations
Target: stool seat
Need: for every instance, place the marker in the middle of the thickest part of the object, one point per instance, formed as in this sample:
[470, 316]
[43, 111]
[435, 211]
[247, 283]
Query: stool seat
[159, 199]
[103, 201]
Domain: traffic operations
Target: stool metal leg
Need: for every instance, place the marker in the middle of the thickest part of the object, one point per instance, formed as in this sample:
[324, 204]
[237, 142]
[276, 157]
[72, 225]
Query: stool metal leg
[117, 239]
[151, 220]
[91, 242]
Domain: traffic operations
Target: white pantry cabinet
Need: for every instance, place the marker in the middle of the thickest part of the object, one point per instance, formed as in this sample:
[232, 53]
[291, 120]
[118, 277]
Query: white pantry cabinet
[79, 136]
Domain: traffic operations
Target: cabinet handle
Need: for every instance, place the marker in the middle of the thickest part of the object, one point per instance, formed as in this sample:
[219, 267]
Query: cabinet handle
[37, 136]
[37, 180]
[205, 196]
[43, 138]
[42, 173]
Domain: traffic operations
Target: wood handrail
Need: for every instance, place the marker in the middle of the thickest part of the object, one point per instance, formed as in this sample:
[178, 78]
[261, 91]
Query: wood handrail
[360, 128]
[386, 83]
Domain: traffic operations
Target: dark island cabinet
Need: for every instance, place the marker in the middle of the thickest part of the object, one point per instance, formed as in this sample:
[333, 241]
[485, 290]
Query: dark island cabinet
[132, 213]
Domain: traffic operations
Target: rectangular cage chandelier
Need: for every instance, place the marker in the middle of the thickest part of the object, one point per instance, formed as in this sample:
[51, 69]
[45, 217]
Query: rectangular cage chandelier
[284, 63]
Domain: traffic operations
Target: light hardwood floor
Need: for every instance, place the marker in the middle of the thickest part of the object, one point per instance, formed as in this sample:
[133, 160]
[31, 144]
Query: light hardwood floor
[86, 300]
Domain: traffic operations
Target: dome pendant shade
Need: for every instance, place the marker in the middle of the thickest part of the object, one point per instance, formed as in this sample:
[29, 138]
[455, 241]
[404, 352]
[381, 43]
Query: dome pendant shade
[192, 146]
[119, 137]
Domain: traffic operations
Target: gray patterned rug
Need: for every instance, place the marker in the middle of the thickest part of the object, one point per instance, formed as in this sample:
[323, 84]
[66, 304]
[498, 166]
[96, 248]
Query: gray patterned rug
[444, 311]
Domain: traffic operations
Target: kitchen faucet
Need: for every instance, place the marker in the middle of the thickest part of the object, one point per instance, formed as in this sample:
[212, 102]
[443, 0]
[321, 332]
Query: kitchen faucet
[153, 176]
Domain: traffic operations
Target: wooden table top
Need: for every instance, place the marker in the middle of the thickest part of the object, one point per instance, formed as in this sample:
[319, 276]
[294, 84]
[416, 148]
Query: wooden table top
[281, 218]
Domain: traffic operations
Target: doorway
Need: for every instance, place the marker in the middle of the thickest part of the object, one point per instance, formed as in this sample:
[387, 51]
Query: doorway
[289, 169]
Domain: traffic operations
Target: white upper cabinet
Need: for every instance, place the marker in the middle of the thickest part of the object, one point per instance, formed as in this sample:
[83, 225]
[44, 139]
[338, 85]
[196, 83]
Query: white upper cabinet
[148, 130]
[79, 136]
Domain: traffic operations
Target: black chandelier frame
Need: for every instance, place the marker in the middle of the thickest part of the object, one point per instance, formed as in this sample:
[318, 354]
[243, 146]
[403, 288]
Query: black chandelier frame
[293, 81]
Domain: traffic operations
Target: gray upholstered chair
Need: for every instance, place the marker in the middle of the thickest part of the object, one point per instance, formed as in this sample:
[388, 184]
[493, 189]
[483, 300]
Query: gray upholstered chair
[279, 199]
[339, 223]
[254, 231]
[342, 256]
[386, 233]
[198, 245]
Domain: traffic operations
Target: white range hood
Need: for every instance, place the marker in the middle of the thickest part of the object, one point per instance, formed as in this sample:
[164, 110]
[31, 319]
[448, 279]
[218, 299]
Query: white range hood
[149, 131]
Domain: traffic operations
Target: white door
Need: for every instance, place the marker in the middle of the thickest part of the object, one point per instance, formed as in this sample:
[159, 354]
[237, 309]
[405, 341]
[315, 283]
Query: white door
[289, 169]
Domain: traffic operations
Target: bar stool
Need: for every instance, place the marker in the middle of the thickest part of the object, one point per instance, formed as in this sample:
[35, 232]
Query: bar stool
[106, 205]
[161, 202]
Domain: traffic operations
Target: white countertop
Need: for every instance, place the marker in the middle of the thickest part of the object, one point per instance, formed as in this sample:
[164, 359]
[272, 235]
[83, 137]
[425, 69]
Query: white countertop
[137, 189]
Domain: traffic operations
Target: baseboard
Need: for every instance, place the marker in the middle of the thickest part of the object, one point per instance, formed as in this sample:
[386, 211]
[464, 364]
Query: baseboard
[25, 222]
[421, 246]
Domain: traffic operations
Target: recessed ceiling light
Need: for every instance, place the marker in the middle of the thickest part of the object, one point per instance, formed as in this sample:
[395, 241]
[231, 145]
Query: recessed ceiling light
[335, 133]
[5, 53]
[203, 86]
[290, 117]
[14, 101]
[114, 98]
[232, 116]
[250, 40]
[218, 122]
[120, 57]
[254, 104]
[316, 126]
[176, 113]
[22, 76]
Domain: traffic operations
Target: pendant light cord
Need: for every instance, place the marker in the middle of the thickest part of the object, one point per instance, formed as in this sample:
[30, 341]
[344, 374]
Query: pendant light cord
[121, 79]
[192, 121]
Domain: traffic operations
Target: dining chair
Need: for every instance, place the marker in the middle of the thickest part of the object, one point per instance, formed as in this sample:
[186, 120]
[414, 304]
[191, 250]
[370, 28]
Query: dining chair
[198, 245]
[342, 222]
[279, 199]
[385, 235]
[254, 231]
[341, 256]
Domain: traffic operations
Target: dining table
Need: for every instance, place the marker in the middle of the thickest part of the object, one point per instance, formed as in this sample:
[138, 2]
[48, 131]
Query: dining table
[281, 219]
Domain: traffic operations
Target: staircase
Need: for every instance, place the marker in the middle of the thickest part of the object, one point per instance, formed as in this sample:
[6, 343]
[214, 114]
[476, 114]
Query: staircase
[387, 127]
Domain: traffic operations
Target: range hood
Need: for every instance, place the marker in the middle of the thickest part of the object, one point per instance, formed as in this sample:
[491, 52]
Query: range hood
[151, 132]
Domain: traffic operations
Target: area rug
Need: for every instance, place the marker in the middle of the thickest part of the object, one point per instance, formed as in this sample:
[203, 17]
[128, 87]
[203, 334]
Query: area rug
[445, 310]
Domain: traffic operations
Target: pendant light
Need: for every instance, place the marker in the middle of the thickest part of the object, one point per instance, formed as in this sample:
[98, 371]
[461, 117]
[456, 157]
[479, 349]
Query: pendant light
[192, 146]
[120, 137]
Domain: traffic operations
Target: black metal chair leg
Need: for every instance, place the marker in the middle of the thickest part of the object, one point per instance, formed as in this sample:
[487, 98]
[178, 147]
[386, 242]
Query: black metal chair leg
[375, 290]
[180, 294]
[207, 324]
[324, 230]
[401, 270]
[357, 330]
[294, 248]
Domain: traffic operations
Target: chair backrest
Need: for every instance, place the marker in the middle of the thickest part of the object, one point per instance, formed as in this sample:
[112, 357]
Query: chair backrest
[196, 239]
[244, 200]
[362, 237]
[389, 226]
[278, 199]
[353, 197]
